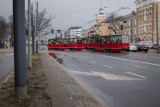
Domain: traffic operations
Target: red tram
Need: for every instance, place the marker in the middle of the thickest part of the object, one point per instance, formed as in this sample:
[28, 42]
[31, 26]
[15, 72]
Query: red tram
[67, 44]
[109, 43]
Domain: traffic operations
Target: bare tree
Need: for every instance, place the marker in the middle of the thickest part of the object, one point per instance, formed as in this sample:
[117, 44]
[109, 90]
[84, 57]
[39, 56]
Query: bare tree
[3, 29]
[44, 23]
[10, 26]
[113, 20]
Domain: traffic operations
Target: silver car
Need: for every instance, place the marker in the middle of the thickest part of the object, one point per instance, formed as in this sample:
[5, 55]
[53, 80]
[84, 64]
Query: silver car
[133, 48]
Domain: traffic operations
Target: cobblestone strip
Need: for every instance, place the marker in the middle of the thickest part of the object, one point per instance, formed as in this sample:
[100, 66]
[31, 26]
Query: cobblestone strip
[66, 92]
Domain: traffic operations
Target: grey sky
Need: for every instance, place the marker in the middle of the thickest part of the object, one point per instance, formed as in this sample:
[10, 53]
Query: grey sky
[72, 12]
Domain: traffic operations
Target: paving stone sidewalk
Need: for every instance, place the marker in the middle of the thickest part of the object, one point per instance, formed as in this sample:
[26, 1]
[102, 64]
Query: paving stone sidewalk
[10, 50]
[153, 52]
[66, 92]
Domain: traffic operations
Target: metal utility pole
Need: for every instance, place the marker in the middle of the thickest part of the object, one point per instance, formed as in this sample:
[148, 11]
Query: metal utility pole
[32, 30]
[157, 27]
[29, 36]
[19, 48]
[37, 41]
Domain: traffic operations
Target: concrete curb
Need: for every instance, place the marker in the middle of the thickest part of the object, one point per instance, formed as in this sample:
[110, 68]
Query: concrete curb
[6, 78]
[50, 92]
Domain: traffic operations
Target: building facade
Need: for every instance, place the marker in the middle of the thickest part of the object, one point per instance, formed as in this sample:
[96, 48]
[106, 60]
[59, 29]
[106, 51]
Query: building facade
[139, 26]
[128, 27]
[146, 20]
[74, 32]
[100, 28]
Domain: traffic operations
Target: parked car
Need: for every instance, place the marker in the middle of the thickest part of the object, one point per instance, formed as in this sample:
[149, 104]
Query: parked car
[155, 46]
[133, 48]
[144, 48]
[150, 46]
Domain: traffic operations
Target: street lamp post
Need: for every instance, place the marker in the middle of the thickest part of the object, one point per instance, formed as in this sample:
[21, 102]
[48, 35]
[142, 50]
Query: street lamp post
[37, 28]
[157, 27]
[19, 48]
[29, 35]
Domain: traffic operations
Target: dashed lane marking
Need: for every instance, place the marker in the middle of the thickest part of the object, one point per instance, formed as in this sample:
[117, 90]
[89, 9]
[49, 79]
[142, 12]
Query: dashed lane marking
[136, 75]
[139, 67]
[10, 54]
[109, 76]
[107, 66]
[128, 60]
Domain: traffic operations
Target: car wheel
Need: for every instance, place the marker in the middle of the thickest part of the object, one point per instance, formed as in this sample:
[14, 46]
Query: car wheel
[146, 51]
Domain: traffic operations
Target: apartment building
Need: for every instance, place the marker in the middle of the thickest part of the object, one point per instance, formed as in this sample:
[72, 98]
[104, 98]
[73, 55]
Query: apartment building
[146, 20]
[74, 32]
[139, 26]
[128, 27]
[123, 25]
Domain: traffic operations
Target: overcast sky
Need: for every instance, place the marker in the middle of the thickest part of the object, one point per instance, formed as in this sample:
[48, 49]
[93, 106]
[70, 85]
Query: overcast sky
[69, 13]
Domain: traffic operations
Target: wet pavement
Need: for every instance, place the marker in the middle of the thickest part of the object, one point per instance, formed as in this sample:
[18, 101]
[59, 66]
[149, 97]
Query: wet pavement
[117, 79]
[66, 92]
[6, 62]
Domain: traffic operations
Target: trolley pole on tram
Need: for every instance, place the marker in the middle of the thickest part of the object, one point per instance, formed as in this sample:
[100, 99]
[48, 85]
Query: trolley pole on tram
[19, 48]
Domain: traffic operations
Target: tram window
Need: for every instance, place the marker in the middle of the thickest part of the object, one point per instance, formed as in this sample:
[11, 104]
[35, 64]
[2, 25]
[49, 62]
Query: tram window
[120, 39]
[79, 41]
[107, 39]
[117, 39]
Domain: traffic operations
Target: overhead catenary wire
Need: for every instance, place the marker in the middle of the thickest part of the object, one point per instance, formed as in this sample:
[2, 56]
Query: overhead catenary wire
[69, 20]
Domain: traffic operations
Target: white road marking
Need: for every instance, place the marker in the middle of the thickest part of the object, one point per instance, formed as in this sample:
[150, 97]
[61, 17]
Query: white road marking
[150, 55]
[82, 73]
[107, 66]
[108, 76]
[10, 54]
[139, 67]
[128, 60]
[136, 75]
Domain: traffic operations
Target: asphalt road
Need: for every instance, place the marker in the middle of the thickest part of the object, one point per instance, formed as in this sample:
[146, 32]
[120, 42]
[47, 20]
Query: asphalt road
[6, 62]
[117, 79]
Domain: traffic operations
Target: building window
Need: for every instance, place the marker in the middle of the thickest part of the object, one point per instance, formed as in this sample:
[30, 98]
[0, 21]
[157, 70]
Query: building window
[150, 8]
[150, 38]
[145, 17]
[129, 32]
[144, 28]
[129, 24]
[134, 21]
[150, 26]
